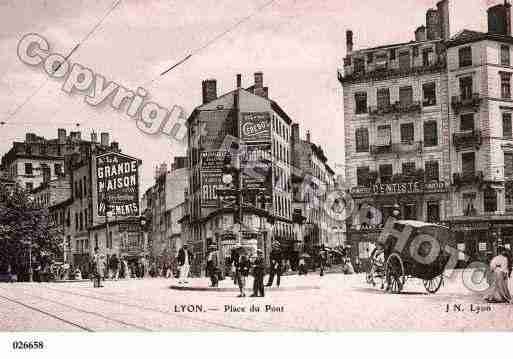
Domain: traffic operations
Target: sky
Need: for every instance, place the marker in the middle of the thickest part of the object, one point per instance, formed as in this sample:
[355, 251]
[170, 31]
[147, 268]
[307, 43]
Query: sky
[297, 44]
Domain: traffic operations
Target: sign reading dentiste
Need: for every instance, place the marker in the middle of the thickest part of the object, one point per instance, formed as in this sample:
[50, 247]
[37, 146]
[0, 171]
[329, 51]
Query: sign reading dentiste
[118, 179]
[255, 127]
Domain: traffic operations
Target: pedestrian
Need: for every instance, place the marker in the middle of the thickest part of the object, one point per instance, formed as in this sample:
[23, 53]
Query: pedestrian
[500, 267]
[258, 274]
[98, 267]
[184, 260]
[276, 268]
[114, 266]
[322, 259]
[357, 265]
[242, 272]
[211, 268]
[302, 266]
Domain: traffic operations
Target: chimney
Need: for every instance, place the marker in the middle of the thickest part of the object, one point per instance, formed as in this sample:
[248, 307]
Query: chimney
[308, 136]
[420, 33]
[265, 92]
[61, 135]
[259, 84]
[75, 136]
[94, 137]
[295, 132]
[443, 18]
[209, 90]
[349, 42]
[239, 81]
[104, 138]
[432, 25]
[114, 146]
[499, 19]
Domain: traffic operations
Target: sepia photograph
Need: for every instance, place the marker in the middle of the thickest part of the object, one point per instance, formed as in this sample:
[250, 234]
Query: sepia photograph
[291, 166]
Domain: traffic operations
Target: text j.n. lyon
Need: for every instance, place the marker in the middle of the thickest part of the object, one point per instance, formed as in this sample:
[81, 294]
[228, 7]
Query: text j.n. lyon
[472, 308]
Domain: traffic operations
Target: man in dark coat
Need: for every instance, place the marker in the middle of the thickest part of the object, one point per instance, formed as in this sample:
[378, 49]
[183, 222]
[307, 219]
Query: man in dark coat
[258, 274]
[276, 269]
[184, 260]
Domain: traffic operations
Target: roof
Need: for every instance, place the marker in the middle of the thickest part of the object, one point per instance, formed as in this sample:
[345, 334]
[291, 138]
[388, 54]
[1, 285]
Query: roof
[468, 36]
[389, 46]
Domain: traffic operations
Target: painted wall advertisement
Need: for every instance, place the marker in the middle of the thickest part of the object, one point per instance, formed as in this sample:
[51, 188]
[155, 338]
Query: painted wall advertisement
[255, 127]
[210, 182]
[117, 179]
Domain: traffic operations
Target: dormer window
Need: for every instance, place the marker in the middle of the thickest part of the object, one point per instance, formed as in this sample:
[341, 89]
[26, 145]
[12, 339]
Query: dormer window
[381, 61]
[359, 65]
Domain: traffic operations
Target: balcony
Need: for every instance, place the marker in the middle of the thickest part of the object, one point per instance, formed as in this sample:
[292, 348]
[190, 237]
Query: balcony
[467, 178]
[407, 147]
[466, 139]
[459, 103]
[381, 150]
[396, 108]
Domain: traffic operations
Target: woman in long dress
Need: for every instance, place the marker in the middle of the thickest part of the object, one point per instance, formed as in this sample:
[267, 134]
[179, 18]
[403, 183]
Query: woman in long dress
[500, 268]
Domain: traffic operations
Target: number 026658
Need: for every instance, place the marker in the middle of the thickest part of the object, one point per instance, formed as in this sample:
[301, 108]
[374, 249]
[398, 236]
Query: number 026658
[27, 345]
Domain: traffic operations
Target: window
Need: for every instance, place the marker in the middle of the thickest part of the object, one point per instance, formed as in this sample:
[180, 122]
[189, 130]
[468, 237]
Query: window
[370, 57]
[508, 164]
[385, 173]
[360, 102]
[28, 169]
[96, 240]
[359, 65]
[85, 187]
[381, 61]
[407, 133]
[76, 221]
[384, 135]
[85, 218]
[410, 211]
[467, 122]
[406, 96]
[57, 169]
[466, 87]
[506, 124]
[415, 50]
[362, 140]
[404, 61]
[431, 171]
[490, 200]
[430, 134]
[109, 241]
[433, 211]
[81, 221]
[465, 56]
[429, 94]
[408, 169]
[505, 55]
[505, 85]
[29, 186]
[362, 176]
[425, 56]
[383, 97]
[468, 163]
[392, 54]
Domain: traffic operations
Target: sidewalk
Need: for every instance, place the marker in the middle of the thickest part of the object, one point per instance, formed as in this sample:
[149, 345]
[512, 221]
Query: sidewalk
[288, 283]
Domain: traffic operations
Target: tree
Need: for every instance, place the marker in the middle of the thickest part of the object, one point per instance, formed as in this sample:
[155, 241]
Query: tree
[23, 224]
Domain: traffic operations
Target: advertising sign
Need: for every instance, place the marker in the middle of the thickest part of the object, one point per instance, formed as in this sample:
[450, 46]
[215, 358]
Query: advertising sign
[256, 164]
[210, 182]
[213, 160]
[117, 179]
[255, 127]
[398, 188]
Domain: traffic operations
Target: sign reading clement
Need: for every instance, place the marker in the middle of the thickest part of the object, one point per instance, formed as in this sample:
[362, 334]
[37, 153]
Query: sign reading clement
[255, 127]
[118, 179]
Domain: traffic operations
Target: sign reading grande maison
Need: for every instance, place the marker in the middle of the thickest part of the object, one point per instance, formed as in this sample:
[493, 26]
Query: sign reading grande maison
[401, 188]
[117, 184]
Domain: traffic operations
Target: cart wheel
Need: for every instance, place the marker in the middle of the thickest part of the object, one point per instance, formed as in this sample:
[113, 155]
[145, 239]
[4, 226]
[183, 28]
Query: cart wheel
[395, 273]
[434, 284]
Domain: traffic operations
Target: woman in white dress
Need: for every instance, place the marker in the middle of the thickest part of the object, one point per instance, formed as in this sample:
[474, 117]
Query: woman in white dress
[500, 268]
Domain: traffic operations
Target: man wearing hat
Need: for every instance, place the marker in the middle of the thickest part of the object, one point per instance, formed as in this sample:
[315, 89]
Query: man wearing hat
[258, 274]
[184, 261]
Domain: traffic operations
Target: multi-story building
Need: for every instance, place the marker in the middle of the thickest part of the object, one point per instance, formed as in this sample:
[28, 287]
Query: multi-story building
[481, 149]
[312, 182]
[250, 117]
[52, 192]
[397, 129]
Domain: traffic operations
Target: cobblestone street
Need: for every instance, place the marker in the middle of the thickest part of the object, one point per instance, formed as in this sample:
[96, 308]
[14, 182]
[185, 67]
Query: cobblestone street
[341, 303]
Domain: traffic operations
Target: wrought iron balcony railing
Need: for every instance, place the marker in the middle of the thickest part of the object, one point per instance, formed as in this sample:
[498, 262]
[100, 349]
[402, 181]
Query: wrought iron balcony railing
[466, 178]
[396, 148]
[473, 102]
[396, 108]
[466, 139]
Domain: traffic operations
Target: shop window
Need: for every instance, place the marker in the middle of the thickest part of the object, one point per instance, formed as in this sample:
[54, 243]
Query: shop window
[490, 200]
[387, 212]
[429, 94]
[383, 98]
[404, 61]
[467, 122]
[465, 56]
[407, 133]
[410, 211]
[406, 96]
[362, 176]
[360, 102]
[362, 140]
[431, 171]
[506, 124]
[505, 85]
[505, 55]
[433, 211]
[468, 163]
[466, 87]
[385, 173]
[468, 204]
[430, 134]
